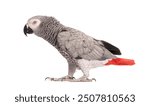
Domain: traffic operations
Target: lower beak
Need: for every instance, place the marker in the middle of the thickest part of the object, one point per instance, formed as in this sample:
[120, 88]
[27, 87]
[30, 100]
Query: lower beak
[27, 30]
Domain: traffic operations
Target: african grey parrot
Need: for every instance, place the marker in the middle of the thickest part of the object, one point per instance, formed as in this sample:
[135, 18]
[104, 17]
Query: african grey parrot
[80, 50]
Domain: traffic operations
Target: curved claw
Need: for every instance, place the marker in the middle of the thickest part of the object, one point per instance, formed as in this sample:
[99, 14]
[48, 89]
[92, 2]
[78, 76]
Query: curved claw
[46, 78]
[52, 79]
[93, 79]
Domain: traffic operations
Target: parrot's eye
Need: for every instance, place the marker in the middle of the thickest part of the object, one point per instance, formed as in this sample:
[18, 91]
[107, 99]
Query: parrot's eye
[34, 22]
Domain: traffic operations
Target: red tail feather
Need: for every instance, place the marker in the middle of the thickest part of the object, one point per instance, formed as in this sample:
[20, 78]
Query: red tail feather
[120, 61]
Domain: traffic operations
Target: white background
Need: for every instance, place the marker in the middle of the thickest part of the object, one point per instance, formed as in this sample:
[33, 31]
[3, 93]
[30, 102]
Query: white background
[26, 61]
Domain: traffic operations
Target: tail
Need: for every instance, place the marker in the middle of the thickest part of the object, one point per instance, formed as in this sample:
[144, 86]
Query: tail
[120, 61]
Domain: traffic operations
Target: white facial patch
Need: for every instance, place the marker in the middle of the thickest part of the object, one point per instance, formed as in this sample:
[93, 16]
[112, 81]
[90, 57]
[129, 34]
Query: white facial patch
[34, 23]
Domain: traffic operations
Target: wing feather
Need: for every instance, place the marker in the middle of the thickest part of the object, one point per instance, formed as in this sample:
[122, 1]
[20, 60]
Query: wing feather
[77, 44]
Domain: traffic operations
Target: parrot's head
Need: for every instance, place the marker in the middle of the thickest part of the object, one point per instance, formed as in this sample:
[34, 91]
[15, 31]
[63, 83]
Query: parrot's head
[39, 25]
[32, 25]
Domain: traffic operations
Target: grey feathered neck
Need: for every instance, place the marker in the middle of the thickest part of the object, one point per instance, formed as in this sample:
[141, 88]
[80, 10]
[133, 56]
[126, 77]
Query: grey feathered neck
[49, 29]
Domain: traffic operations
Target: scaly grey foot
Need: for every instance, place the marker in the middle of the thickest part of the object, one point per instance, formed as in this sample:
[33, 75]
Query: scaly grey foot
[65, 78]
[83, 79]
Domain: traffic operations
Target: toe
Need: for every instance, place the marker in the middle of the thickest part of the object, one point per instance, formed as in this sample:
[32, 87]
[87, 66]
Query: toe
[93, 79]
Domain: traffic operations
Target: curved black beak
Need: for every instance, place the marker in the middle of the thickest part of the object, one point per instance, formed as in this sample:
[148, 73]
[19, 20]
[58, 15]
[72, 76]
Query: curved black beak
[27, 30]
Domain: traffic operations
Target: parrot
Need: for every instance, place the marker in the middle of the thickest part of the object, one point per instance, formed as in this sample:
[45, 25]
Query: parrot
[81, 51]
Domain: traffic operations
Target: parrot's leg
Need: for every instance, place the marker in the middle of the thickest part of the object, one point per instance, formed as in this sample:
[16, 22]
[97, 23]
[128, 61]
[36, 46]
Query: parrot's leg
[85, 66]
[84, 78]
[69, 77]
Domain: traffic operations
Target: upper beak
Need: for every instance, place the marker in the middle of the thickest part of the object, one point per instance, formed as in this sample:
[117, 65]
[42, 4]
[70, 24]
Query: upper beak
[27, 30]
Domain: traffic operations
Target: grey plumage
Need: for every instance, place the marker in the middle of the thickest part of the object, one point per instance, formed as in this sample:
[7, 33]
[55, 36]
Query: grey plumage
[71, 43]
[76, 43]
